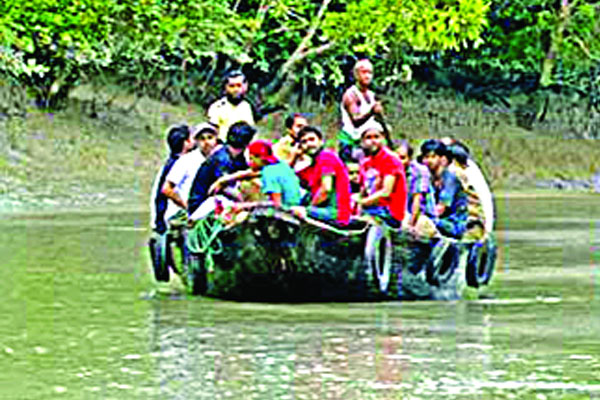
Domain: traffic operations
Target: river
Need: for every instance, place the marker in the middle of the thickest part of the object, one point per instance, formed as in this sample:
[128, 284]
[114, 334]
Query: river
[83, 319]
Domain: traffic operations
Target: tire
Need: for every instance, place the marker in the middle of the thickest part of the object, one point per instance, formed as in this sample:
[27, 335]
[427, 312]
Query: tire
[197, 280]
[442, 263]
[378, 257]
[481, 263]
[160, 253]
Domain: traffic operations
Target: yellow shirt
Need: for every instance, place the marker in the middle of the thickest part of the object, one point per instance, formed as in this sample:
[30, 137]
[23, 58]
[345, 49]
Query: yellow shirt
[224, 114]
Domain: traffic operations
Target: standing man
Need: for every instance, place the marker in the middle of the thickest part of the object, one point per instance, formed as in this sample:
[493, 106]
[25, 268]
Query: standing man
[179, 180]
[178, 140]
[233, 107]
[450, 198]
[326, 179]
[228, 159]
[359, 109]
[383, 183]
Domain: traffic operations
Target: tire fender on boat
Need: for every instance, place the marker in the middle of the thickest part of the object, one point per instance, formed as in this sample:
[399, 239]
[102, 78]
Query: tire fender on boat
[378, 256]
[481, 262]
[442, 262]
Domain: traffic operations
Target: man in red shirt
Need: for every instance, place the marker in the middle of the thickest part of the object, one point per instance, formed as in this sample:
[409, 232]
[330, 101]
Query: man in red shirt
[326, 179]
[383, 181]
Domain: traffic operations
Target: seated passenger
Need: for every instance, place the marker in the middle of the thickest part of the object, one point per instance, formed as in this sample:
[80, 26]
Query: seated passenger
[288, 147]
[278, 180]
[227, 159]
[420, 197]
[383, 183]
[179, 180]
[162, 209]
[326, 179]
[450, 198]
[481, 201]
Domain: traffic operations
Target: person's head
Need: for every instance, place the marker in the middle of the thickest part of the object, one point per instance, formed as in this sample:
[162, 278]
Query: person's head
[236, 86]
[178, 139]
[433, 153]
[363, 72]
[206, 136]
[372, 139]
[294, 122]
[239, 135]
[405, 153]
[311, 140]
[353, 173]
[460, 153]
[261, 154]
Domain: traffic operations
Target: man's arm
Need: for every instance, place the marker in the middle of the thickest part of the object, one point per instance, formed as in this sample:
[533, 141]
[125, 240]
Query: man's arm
[323, 191]
[415, 208]
[275, 199]
[168, 189]
[224, 180]
[385, 191]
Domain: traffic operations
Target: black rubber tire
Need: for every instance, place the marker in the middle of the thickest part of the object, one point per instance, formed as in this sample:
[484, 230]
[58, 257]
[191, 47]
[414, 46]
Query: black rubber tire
[481, 263]
[197, 280]
[439, 274]
[378, 258]
[159, 260]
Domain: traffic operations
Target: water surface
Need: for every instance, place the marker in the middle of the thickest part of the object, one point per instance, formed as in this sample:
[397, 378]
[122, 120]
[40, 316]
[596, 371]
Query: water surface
[82, 319]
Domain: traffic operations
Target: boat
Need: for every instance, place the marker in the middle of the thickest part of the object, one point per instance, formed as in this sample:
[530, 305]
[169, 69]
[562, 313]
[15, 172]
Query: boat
[268, 254]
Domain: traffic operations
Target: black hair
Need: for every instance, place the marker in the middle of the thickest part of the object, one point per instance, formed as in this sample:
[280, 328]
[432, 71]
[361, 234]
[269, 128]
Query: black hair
[240, 135]
[459, 152]
[176, 137]
[289, 120]
[404, 143]
[233, 74]
[310, 129]
[436, 146]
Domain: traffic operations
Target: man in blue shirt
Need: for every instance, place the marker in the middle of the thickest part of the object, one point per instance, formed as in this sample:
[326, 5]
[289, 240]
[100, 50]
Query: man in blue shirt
[450, 198]
[228, 159]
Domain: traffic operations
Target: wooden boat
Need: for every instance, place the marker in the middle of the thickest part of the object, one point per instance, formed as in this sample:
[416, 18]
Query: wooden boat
[266, 254]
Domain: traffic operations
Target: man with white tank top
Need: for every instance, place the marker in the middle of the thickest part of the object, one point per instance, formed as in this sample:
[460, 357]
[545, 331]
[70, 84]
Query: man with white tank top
[359, 108]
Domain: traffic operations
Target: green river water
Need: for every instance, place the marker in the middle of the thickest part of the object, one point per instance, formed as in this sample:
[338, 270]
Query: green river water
[81, 319]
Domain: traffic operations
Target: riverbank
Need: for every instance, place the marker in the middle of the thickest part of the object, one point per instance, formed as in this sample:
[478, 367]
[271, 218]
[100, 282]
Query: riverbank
[93, 154]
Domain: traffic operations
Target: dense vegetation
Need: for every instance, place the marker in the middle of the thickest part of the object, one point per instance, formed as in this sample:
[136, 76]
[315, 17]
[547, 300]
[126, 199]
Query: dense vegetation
[178, 49]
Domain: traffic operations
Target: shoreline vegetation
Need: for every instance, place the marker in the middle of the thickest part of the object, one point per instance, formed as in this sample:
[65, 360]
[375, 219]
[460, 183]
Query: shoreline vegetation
[101, 152]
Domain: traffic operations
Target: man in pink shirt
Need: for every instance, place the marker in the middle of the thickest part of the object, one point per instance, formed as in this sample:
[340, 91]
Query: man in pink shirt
[383, 181]
[326, 179]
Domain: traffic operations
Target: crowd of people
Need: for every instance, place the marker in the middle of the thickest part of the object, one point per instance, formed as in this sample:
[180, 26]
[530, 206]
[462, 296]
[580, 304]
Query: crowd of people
[370, 176]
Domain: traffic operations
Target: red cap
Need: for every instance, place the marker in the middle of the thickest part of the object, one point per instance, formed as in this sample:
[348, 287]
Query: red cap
[262, 149]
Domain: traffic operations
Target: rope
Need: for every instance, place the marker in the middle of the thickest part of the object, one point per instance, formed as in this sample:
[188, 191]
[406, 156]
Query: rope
[203, 239]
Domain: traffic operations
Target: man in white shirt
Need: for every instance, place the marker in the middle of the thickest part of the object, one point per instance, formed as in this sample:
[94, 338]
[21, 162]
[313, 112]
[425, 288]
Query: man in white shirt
[179, 179]
[359, 109]
[233, 107]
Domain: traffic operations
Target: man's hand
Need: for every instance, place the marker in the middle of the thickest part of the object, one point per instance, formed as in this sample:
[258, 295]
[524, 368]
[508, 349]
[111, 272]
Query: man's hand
[377, 108]
[299, 211]
[216, 187]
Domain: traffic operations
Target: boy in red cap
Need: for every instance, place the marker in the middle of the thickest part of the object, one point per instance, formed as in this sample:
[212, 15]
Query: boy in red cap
[278, 180]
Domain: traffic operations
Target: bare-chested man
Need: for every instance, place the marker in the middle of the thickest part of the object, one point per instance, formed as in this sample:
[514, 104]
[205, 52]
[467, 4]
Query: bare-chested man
[359, 109]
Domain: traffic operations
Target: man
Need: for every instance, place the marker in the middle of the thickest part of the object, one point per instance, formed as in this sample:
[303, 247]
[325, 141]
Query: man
[227, 159]
[450, 198]
[179, 180]
[359, 110]
[383, 183]
[232, 107]
[288, 147]
[481, 200]
[420, 196]
[178, 140]
[418, 178]
[326, 179]
[278, 180]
